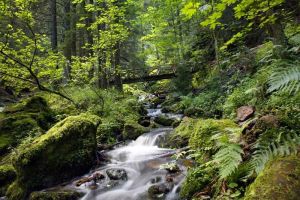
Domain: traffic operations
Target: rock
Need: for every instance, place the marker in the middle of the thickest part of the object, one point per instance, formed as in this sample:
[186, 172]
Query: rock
[158, 191]
[176, 123]
[156, 180]
[117, 174]
[267, 122]
[244, 113]
[94, 177]
[56, 195]
[193, 112]
[7, 176]
[68, 149]
[145, 121]
[108, 132]
[18, 120]
[172, 169]
[133, 130]
[164, 120]
[279, 180]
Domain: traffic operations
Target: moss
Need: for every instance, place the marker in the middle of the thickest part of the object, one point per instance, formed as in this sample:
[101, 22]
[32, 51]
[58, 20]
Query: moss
[203, 130]
[180, 136]
[164, 120]
[133, 130]
[15, 192]
[66, 150]
[108, 133]
[7, 176]
[20, 120]
[55, 195]
[196, 180]
[279, 180]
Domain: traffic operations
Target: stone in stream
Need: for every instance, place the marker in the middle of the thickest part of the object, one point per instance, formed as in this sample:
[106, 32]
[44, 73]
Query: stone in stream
[94, 177]
[117, 174]
[55, 195]
[164, 120]
[159, 191]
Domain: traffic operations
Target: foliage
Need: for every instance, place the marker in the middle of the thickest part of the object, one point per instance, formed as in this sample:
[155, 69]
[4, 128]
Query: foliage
[288, 144]
[286, 78]
[228, 158]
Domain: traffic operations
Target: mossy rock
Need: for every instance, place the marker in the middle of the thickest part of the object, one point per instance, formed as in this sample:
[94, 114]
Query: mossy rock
[107, 133]
[66, 150]
[196, 180]
[56, 195]
[279, 180]
[21, 119]
[7, 176]
[180, 136]
[133, 130]
[164, 120]
[205, 128]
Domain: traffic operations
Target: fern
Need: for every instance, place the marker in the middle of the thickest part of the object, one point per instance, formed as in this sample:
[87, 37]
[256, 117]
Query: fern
[264, 153]
[228, 158]
[286, 79]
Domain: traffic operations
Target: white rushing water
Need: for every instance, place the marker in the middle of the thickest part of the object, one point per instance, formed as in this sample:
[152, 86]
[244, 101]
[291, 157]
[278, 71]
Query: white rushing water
[141, 159]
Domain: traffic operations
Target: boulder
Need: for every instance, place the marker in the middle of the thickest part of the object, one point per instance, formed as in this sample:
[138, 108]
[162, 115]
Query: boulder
[244, 113]
[68, 149]
[133, 130]
[164, 120]
[159, 191]
[279, 180]
[145, 121]
[117, 174]
[18, 120]
[56, 195]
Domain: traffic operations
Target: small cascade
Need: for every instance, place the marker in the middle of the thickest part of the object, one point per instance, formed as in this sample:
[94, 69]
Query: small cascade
[140, 161]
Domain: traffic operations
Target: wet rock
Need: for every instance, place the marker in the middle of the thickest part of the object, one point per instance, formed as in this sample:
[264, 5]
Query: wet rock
[279, 180]
[156, 180]
[158, 191]
[169, 178]
[133, 130]
[97, 176]
[56, 195]
[164, 120]
[117, 174]
[145, 121]
[244, 113]
[172, 169]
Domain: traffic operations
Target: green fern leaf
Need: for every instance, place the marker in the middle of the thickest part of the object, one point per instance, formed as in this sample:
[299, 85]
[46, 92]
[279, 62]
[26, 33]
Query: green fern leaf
[228, 158]
[286, 79]
[264, 153]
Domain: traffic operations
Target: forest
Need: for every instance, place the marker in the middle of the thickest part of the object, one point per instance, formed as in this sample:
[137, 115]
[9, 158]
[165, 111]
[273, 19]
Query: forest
[149, 99]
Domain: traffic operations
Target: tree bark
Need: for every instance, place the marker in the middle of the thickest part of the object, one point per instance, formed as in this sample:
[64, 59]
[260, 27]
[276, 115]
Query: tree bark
[53, 25]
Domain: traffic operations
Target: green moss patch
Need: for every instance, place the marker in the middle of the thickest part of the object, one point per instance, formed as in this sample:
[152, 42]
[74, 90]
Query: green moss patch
[279, 180]
[66, 150]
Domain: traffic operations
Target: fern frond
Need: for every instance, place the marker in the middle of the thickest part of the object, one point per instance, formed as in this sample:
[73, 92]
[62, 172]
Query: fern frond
[228, 159]
[289, 145]
[286, 79]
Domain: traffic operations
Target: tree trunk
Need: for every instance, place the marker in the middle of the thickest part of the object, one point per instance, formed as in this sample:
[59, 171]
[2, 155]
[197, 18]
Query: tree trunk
[53, 25]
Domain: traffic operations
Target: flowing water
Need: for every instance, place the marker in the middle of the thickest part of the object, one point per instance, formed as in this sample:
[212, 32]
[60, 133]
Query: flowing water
[142, 160]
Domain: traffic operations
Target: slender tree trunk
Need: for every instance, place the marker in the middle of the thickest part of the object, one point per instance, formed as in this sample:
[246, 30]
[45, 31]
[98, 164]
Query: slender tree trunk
[53, 25]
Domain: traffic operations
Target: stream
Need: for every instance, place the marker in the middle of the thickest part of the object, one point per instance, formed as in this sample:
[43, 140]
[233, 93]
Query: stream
[136, 167]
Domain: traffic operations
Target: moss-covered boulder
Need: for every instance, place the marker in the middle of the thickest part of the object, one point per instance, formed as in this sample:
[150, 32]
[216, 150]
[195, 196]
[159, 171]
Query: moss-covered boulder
[56, 195]
[66, 150]
[19, 120]
[133, 130]
[279, 180]
[204, 129]
[164, 120]
[7, 176]
[108, 133]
